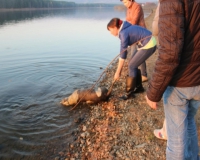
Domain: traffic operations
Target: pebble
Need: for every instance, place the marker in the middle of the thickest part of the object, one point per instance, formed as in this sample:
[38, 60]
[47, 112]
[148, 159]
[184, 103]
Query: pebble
[76, 155]
[21, 138]
[84, 128]
[71, 146]
[83, 135]
[82, 141]
[57, 158]
[140, 146]
[61, 153]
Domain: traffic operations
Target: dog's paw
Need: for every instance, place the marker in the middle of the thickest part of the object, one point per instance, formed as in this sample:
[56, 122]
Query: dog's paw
[89, 102]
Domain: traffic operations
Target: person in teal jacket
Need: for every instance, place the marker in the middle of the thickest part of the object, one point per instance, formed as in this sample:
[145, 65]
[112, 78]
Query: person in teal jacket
[146, 46]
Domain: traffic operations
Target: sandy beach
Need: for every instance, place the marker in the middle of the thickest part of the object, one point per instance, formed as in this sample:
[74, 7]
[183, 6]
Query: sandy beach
[120, 130]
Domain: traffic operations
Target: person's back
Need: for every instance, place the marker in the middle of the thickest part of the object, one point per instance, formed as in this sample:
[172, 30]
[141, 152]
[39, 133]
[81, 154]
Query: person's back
[179, 38]
[176, 76]
[135, 15]
[188, 71]
[130, 34]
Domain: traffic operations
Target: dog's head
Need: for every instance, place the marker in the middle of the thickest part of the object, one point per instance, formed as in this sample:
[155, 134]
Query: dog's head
[71, 100]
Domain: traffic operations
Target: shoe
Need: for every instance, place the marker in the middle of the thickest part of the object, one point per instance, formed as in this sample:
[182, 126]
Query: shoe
[144, 79]
[158, 133]
[127, 96]
[139, 88]
[130, 87]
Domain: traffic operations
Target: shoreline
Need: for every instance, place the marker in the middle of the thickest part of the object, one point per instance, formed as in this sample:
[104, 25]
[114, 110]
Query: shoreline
[35, 9]
[26, 9]
[116, 129]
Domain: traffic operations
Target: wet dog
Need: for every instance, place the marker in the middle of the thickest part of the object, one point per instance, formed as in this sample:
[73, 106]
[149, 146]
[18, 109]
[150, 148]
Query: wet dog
[85, 95]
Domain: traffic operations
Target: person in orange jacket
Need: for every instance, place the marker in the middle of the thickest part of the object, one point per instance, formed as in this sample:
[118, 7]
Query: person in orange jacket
[135, 16]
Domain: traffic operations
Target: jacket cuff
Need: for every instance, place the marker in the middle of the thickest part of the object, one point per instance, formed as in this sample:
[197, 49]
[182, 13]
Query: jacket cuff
[153, 94]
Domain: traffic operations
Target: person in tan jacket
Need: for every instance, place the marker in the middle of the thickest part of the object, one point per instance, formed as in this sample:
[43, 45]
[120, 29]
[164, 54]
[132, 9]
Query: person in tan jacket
[135, 16]
[159, 133]
[155, 21]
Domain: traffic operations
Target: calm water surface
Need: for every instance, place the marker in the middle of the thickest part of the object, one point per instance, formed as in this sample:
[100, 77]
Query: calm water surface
[44, 56]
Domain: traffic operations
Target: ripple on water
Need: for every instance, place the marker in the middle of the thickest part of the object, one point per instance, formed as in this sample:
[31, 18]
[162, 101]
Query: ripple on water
[25, 127]
[36, 73]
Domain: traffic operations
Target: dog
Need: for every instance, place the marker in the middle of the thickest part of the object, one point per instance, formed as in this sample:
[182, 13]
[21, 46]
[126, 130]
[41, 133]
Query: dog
[86, 95]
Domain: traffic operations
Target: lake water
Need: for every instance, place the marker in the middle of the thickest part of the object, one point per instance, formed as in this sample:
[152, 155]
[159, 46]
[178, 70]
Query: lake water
[44, 56]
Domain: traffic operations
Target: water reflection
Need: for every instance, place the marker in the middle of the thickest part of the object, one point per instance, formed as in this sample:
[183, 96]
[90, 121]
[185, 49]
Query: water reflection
[16, 16]
[93, 13]
[44, 56]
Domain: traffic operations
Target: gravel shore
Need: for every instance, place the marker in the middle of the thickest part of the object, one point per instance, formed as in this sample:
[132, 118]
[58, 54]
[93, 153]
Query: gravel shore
[119, 130]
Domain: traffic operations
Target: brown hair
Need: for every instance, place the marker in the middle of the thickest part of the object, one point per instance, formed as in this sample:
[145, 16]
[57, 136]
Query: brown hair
[129, 0]
[115, 22]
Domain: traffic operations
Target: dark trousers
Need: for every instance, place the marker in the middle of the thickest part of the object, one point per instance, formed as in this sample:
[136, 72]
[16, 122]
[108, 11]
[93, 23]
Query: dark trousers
[139, 58]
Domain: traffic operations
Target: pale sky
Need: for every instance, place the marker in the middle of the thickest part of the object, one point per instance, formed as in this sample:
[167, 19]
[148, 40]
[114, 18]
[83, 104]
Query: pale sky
[106, 1]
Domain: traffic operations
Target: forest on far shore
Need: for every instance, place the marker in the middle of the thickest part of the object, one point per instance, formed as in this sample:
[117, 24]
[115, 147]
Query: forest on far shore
[8, 4]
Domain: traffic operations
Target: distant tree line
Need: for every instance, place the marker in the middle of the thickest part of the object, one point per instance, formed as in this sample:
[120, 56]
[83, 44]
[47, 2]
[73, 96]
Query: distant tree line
[44, 4]
[95, 5]
[35, 4]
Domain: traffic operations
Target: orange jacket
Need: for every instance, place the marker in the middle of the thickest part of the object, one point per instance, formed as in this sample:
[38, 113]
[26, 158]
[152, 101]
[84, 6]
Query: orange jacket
[135, 15]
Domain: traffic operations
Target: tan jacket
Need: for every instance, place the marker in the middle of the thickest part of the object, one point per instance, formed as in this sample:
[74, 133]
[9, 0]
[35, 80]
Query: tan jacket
[155, 21]
[135, 15]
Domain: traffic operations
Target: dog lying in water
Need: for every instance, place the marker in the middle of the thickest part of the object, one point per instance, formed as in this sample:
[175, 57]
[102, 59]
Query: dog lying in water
[85, 95]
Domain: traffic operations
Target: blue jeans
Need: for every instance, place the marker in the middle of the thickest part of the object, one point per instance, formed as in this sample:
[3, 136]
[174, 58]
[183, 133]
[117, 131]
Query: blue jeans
[143, 69]
[143, 65]
[139, 57]
[180, 105]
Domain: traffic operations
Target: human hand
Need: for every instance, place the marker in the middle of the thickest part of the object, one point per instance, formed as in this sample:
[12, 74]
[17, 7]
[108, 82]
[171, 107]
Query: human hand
[152, 104]
[116, 76]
